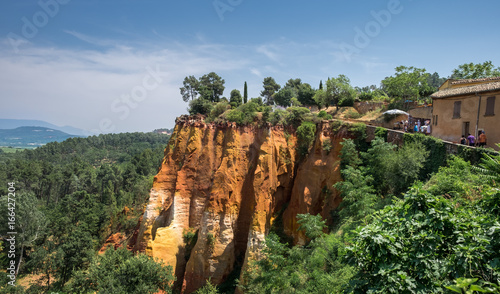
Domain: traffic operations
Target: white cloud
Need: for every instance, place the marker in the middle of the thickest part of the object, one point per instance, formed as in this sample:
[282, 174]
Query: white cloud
[80, 87]
[269, 51]
[256, 72]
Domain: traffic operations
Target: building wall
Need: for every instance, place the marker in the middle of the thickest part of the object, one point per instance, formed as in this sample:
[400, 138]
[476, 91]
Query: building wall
[451, 129]
[421, 112]
[366, 106]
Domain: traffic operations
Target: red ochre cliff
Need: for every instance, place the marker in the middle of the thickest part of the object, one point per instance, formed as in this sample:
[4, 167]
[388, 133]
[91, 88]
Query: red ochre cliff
[224, 184]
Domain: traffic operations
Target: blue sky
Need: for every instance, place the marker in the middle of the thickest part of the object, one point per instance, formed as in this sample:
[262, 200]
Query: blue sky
[116, 66]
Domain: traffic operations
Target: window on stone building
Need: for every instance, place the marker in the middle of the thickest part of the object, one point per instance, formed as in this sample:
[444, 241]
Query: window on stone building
[490, 106]
[456, 109]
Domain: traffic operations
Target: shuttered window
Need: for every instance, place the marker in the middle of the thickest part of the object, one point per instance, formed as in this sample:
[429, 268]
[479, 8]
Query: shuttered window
[456, 109]
[490, 106]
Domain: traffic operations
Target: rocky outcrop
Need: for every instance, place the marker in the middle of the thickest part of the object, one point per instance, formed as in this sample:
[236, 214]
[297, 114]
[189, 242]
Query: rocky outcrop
[219, 188]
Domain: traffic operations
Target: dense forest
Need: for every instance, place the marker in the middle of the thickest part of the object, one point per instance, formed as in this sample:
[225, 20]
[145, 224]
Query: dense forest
[69, 197]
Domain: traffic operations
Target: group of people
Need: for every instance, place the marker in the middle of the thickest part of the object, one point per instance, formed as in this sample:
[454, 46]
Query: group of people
[417, 127]
[471, 140]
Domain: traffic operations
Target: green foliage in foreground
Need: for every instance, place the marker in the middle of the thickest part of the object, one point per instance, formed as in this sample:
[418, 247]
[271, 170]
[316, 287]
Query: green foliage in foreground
[314, 268]
[424, 242]
[306, 133]
[209, 288]
[441, 236]
[119, 271]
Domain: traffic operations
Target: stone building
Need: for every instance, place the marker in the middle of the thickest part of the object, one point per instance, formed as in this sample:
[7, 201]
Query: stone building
[467, 106]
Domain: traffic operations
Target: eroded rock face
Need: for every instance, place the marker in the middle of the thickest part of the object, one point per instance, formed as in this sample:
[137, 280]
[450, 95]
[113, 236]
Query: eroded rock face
[213, 201]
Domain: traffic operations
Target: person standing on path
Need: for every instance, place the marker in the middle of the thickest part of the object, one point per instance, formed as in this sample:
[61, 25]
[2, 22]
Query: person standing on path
[471, 139]
[482, 139]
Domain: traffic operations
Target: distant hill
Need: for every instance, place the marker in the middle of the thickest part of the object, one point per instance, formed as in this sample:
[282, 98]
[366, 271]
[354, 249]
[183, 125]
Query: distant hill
[29, 137]
[16, 123]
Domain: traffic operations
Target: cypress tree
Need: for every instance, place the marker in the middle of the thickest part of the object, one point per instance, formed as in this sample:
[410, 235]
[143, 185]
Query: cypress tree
[245, 93]
[320, 84]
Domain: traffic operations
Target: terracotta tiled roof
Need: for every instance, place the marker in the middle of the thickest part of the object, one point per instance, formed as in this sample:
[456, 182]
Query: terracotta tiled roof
[466, 81]
[481, 88]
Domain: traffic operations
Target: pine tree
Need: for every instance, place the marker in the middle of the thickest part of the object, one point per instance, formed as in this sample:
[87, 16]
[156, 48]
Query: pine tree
[245, 93]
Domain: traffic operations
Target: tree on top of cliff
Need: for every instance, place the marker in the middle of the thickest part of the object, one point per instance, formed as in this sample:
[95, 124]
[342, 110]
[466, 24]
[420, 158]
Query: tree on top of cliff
[209, 87]
[191, 88]
[305, 94]
[284, 96]
[409, 83]
[339, 91]
[213, 85]
[293, 83]
[270, 87]
[245, 93]
[235, 98]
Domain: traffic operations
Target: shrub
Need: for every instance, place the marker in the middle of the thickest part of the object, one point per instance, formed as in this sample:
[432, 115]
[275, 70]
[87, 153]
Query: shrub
[306, 133]
[327, 145]
[296, 115]
[295, 102]
[123, 272]
[278, 117]
[347, 100]
[217, 110]
[366, 96]
[352, 114]
[437, 152]
[381, 133]
[257, 101]
[266, 113]
[394, 170]
[244, 114]
[200, 106]
[324, 115]
[235, 115]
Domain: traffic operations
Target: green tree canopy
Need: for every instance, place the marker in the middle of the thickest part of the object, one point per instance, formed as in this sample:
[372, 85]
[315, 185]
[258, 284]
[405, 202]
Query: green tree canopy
[284, 96]
[235, 98]
[30, 221]
[475, 71]
[408, 84]
[435, 81]
[305, 94]
[119, 271]
[270, 87]
[293, 83]
[190, 89]
[320, 98]
[339, 91]
[213, 87]
[200, 106]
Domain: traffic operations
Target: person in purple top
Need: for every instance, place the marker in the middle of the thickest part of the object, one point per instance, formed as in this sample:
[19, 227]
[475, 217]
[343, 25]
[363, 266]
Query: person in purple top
[471, 139]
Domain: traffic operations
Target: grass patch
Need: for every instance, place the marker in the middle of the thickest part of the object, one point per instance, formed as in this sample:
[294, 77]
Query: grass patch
[10, 149]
